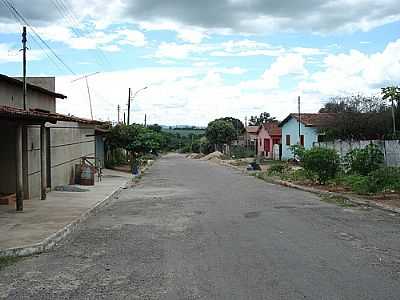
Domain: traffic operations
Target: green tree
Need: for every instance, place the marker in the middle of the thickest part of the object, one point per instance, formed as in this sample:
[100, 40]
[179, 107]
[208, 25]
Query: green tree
[322, 162]
[220, 132]
[392, 93]
[261, 119]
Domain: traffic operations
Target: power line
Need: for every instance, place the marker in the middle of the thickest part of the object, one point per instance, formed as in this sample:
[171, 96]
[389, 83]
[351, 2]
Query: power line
[16, 13]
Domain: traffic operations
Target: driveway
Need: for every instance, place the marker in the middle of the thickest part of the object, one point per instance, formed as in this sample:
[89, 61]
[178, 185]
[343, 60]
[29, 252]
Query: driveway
[194, 230]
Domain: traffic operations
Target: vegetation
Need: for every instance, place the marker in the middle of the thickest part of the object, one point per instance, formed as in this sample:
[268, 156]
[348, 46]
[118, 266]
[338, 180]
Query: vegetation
[363, 117]
[241, 152]
[261, 119]
[363, 161]
[220, 132]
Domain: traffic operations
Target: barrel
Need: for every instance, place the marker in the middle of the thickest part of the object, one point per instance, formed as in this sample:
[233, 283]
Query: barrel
[87, 175]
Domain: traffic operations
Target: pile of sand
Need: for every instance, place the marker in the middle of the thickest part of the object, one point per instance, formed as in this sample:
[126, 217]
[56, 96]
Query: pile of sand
[213, 156]
[195, 155]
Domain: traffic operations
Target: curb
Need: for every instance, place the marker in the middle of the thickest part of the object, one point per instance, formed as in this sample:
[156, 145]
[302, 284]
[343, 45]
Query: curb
[51, 241]
[352, 199]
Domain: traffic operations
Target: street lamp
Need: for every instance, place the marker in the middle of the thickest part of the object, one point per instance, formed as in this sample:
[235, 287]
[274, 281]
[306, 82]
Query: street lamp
[131, 98]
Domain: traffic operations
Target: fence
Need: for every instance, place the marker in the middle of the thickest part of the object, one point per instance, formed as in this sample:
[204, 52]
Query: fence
[390, 148]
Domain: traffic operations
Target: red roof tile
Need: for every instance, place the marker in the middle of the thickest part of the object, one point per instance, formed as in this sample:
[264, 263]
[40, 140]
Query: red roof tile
[13, 113]
[312, 119]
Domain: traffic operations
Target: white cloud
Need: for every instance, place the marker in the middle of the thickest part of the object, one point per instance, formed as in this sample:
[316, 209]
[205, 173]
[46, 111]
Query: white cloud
[10, 54]
[289, 64]
[355, 72]
[132, 37]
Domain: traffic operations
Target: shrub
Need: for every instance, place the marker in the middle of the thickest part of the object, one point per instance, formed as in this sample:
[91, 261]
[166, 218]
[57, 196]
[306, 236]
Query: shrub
[322, 162]
[276, 169]
[298, 151]
[383, 179]
[363, 161]
[241, 152]
[357, 183]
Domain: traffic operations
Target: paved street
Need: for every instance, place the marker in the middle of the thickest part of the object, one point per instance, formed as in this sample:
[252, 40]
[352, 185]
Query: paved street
[193, 230]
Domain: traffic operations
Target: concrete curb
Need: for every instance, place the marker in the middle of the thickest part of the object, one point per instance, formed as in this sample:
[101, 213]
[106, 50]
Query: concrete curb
[352, 199]
[51, 241]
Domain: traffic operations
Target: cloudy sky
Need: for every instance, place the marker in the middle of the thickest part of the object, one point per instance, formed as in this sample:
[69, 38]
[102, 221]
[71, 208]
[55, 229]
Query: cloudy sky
[205, 59]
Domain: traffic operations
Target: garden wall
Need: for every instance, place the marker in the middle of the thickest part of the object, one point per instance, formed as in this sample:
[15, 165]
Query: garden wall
[390, 148]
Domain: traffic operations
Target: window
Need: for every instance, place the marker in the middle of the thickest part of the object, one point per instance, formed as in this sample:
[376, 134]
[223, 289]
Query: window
[302, 140]
[288, 140]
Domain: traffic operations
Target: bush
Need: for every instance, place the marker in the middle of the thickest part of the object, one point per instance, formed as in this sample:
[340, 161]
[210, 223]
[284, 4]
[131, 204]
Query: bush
[322, 162]
[363, 161]
[383, 179]
[357, 183]
[298, 151]
[277, 169]
[241, 152]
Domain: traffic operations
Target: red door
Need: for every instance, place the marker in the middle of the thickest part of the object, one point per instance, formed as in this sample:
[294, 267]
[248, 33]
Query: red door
[267, 145]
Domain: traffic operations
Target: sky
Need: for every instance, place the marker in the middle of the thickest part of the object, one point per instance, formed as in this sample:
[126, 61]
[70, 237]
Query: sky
[207, 59]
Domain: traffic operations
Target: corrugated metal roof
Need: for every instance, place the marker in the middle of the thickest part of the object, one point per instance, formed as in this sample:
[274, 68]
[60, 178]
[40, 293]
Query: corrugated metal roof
[13, 113]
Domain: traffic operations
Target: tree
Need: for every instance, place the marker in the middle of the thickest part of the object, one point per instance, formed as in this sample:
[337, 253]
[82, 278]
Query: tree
[261, 119]
[155, 127]
[358, 117]
[393, 94]
[237, 124]
[220, 132]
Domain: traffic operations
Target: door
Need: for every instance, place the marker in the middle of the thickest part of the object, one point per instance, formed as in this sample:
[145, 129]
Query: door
[267, 146]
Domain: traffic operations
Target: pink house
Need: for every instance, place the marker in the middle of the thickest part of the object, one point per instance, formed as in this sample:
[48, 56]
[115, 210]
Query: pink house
[268, 135]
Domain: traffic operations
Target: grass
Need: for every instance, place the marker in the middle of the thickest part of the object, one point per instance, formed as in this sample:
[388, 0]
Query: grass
[8, 261]
[338, 200]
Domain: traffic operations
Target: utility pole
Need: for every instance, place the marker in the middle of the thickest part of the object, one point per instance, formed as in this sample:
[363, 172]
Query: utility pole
[298, 104]
[129, 105]
[145, 120]
[124, 119]
[393, 118]
[118, 109]
[24, 65]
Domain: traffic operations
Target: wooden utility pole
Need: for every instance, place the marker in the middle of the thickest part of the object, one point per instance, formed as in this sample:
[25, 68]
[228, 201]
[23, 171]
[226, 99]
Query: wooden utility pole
[145, 120]
[129, 105]
[118, 109]
[88, 89]
[124, 119]
[24, 66]
[298, 104]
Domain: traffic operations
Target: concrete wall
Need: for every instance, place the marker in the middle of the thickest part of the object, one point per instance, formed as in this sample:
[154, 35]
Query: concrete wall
[292, 128]
[31, 152]
[262, 135]
[7, 158]
[391, 149]
[11, 95]
[100, 150]
[69, 142]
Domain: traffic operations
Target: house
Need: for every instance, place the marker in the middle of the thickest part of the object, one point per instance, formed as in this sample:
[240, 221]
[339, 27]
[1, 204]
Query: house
[268, 135]
[250, 137]
[39, 147]
[310, 130]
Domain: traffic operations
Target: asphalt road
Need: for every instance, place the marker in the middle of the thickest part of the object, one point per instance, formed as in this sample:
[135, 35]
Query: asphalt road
[193, 230]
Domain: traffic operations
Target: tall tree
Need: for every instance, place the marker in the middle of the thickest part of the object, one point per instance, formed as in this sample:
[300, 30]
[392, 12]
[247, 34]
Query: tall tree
[261, 119]
[392, 93]
[220, 132]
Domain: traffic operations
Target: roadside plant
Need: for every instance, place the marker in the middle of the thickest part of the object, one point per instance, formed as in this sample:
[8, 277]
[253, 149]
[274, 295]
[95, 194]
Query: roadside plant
[277, 169]
[298, 151]
[363, 161]
[322, 162]
[384, 179]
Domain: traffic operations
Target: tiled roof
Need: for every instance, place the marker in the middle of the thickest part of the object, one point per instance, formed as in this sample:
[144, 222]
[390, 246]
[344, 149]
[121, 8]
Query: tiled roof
[252, 129]
[312, 119]
[39, 116]
[273, 128]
